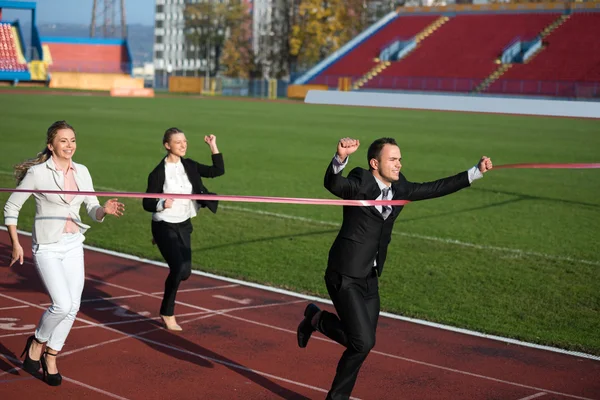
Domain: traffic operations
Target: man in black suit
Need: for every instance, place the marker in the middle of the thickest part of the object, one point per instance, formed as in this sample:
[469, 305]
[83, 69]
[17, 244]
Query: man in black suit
[357, 256]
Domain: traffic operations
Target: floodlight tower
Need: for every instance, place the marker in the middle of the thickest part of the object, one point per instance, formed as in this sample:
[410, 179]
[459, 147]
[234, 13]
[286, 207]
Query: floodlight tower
[104, 15]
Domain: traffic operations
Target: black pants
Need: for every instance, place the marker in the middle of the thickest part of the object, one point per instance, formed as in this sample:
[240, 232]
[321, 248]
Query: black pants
[174, 243]
[356, 301]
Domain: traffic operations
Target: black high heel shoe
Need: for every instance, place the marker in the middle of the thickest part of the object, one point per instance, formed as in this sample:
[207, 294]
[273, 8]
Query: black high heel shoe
[50, 379]
[29, 365]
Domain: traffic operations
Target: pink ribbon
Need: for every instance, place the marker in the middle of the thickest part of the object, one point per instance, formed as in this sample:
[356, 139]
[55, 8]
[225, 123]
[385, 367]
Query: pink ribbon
[245, 199]
[555, 166]
[281, 200]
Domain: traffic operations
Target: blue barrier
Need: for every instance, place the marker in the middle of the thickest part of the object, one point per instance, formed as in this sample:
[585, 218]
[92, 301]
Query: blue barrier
[15, 77]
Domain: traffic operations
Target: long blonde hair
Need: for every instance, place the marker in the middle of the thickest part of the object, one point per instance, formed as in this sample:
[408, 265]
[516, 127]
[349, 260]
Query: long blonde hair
[43, 156]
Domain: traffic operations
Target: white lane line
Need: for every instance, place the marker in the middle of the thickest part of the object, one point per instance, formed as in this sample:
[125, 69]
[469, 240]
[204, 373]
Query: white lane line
[202, 289]
[100, 299]
[217, 361]
[410, 360]
[215, 312]
[12, 308]
[227, 298]
[85, 385]
[95, 389]
[327, 301]
[105, 298]
[534, 396]
[423, 237]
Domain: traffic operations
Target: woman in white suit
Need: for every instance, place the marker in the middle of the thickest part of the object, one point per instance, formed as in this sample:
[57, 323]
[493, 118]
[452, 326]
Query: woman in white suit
[57, 240]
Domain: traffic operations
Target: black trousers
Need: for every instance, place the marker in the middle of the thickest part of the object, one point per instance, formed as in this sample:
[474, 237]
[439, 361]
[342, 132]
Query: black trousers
[174, 243]
[356, 301]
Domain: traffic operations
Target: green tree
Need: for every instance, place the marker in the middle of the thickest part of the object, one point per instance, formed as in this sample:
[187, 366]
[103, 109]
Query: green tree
[206, 25]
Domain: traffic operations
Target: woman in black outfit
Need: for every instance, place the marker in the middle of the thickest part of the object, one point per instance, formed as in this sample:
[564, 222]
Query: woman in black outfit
[171, 218]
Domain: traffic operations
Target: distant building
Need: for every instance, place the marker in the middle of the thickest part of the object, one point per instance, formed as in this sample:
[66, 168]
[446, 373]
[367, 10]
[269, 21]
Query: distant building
[172, 56]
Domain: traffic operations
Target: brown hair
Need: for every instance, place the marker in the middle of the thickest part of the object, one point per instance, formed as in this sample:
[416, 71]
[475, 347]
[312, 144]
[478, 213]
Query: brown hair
[376, 147]
[170, 132]
[43, 156]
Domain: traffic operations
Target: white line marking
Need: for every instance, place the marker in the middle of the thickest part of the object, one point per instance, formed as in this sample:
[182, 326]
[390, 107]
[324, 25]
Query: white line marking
[100, 299]
[423, 237]
[534, 396]
[293, 332]
[108, 298]
[201, 289]
[95, 389]
[217, 361]
[327, 301]
[239, 301]
[12, 308]
[372, 351]
[216, 312]
[104, 392]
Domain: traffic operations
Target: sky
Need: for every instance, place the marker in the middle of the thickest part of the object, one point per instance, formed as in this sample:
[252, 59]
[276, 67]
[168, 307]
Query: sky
[80, 11]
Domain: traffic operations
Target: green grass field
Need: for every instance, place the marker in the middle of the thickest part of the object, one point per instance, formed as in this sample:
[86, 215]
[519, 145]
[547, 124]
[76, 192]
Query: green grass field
[514, 255]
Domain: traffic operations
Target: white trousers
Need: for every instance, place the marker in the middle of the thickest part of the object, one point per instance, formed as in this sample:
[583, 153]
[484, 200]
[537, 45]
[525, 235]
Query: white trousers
[60, 266]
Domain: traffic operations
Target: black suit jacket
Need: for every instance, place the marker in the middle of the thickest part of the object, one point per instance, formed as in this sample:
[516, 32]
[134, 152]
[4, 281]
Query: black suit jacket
[194, 171]
[365, 235]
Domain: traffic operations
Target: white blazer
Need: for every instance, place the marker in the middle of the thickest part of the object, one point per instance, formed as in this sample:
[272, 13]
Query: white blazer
[51, 210]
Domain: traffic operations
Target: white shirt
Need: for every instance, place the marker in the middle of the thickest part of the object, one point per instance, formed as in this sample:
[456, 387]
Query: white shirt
[176, 182]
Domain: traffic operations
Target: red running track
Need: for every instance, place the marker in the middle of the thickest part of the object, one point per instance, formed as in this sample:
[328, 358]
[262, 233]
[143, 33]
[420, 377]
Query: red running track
[240, 343]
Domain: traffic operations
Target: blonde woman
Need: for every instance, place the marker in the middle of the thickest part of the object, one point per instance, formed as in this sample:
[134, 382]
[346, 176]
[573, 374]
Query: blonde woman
[57, 240]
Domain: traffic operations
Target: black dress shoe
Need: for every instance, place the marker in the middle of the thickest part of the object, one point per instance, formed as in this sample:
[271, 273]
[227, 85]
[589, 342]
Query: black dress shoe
[305, 329]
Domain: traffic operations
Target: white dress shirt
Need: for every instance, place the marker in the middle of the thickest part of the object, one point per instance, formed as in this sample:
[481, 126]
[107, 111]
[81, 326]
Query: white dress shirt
[176, 182]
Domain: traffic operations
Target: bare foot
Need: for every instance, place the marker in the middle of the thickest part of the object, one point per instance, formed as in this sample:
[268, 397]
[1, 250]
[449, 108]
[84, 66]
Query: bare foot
[170, 323]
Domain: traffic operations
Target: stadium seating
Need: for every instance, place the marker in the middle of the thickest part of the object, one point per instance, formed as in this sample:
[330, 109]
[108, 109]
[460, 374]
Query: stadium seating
[361, 58]
[9, 56]
[84, 57]
[462, 52]
[569, 62]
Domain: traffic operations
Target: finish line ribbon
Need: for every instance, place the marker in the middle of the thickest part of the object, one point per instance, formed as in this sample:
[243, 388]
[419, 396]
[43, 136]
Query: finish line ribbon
[244, 199]
[550, 166]
[281, 200]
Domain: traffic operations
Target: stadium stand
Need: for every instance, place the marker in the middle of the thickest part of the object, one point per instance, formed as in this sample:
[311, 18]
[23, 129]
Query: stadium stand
[87, 55]
[362, 58]
[11, 56]
[568, 63]
[462, 52]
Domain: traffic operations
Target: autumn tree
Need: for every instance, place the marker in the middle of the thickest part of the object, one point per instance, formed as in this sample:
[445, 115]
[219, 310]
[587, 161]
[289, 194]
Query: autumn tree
[322, 27]
[237, 57]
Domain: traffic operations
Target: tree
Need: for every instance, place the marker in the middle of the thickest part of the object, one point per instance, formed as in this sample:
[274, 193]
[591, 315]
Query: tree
[321, 27]
[238, 58]
[206, 24]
